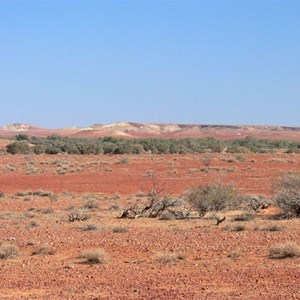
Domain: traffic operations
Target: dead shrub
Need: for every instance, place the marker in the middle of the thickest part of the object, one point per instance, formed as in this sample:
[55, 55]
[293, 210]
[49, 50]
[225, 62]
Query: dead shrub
[8, 251]
[285, 250]
[95, 256]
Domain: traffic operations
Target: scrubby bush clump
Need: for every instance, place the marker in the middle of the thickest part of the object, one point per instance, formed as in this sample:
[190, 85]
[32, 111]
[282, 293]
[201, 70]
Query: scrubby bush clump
[95, 256]
[286, 250]
[8, 251]
[213, 197]
[287, 193]
[18, 148]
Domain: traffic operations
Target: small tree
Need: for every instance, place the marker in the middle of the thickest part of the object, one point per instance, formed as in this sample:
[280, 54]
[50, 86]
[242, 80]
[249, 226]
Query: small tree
[287, 193]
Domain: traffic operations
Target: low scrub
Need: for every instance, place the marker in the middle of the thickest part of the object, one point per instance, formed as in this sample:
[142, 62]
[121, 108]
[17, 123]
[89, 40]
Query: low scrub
[95, 256]
[287, 193]
[234, 227]
[168, 257]
[44, 249]
[88, 227]
[243, 217]
[272, 228]
[119, 229]
[286, 250]
[213, 197]
[8, 251]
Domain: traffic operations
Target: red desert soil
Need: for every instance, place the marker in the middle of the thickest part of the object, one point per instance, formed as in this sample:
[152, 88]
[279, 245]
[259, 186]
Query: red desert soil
[214, 263]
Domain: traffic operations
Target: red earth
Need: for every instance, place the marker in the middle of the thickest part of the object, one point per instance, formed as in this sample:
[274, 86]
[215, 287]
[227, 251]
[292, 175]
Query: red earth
[144, 258]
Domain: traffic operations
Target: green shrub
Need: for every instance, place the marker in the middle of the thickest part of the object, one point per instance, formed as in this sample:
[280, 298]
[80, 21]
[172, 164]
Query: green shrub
[287, 193]
[18, 148]
[213, 197]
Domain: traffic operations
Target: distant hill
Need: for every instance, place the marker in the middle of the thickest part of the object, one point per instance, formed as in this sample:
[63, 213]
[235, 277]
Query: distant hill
[148, 130]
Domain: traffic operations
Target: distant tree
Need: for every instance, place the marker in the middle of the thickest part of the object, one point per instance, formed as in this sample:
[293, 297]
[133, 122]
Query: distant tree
[22, 137]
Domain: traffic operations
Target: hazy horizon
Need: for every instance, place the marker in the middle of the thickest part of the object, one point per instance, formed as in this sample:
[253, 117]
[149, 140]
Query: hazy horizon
[66, 64]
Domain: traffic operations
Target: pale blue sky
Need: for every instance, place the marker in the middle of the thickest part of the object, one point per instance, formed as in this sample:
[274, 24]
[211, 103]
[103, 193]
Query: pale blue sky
[83, 62]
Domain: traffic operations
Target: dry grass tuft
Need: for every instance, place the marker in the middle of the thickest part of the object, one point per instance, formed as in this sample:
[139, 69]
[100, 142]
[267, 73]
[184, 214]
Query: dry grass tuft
[167, 257]
[88, 227]
[285, 250]
[44, 249]
[119, 229]
[234, 227]
[8, 251]
[95, 256]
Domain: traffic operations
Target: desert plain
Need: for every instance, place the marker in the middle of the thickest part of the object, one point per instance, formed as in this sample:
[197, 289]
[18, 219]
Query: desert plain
[141, 258]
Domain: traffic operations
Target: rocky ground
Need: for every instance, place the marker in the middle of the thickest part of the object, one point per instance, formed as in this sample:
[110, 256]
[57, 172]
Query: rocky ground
[141, 258]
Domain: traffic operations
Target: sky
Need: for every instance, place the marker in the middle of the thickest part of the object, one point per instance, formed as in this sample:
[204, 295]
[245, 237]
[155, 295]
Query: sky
[77, 63]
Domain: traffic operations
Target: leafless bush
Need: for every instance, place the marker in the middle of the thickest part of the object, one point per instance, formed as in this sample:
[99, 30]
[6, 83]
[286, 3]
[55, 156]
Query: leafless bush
[286, 250]
[287, 193]
[156, 201]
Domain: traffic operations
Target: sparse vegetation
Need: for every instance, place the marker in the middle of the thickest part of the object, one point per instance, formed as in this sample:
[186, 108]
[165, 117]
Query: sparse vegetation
[43, 249]
[285, 250]
[243, 217]
[167, 257]
[272, 228]
[119, 229]
[95, 256]
[287, 193]
[88, 227]
[8, 251]
[234, 227]
[213, 197]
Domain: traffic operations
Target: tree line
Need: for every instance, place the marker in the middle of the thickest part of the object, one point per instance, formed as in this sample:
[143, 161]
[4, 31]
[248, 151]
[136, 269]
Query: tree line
[22, 144]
